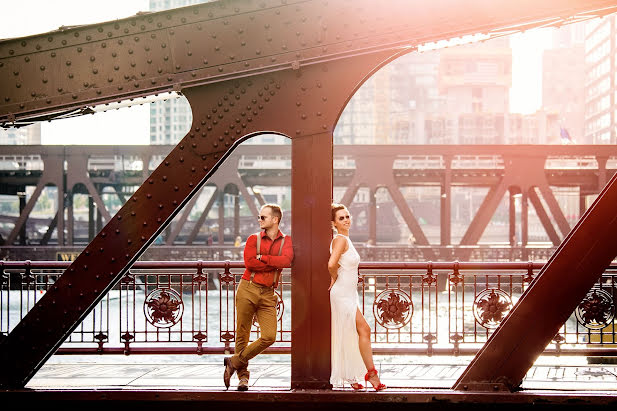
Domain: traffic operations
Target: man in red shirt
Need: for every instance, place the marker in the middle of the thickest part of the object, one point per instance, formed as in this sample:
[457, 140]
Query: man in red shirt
[255, 294]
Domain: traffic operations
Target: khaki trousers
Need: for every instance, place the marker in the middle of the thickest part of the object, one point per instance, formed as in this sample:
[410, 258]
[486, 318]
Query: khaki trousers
[253, 300]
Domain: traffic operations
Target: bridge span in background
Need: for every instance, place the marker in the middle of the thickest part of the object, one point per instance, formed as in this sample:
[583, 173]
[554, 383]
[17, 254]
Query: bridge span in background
[446, 176]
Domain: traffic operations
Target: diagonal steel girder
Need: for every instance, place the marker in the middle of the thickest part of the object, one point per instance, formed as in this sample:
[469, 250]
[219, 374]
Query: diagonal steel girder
[551, 298]
[70, 69]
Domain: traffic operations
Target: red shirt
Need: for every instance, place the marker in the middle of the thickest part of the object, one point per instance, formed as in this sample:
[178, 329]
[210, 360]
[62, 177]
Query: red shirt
[270, 260]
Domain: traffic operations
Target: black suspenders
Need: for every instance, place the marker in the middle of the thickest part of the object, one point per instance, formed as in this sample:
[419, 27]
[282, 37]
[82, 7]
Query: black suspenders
[277, 272]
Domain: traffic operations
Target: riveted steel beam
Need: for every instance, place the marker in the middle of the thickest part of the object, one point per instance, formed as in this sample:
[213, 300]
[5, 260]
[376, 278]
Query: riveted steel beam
[66, 71]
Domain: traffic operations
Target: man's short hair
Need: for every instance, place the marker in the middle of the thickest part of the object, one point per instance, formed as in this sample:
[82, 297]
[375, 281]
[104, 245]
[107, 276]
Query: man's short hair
[276, 211]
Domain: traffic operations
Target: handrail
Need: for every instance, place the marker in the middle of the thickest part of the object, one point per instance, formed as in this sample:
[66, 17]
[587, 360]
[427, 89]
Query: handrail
[462, 265]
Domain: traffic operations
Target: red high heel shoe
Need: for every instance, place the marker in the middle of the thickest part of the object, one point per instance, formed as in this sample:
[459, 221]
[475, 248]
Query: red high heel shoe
[373, 373]
[357, 386]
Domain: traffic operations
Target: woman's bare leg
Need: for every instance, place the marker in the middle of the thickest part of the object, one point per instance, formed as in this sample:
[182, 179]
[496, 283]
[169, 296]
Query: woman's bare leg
[364, 340]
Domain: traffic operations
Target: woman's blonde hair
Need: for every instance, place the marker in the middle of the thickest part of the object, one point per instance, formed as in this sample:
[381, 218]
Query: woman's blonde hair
[336, 207]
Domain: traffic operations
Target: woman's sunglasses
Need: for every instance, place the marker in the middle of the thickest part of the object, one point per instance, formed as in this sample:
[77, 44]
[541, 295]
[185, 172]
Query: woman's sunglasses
[343, 217]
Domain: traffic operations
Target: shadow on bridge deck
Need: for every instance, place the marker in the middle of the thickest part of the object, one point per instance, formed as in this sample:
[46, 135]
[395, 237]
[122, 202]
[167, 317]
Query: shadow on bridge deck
[414, 382]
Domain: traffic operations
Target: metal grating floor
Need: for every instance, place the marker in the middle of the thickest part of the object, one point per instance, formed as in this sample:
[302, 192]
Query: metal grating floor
[205, 373]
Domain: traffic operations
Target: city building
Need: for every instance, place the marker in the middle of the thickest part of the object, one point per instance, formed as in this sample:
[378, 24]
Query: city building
[600, 81]
[450, 96]
[27, 135]
[563, 85]
[170, 119]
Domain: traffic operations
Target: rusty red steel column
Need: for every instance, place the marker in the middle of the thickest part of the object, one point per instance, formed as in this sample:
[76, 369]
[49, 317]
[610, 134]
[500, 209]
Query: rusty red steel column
[311, 195]
[560, 286]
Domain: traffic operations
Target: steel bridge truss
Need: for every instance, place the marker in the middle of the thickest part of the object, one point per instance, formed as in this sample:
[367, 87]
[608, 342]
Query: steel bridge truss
[91, 170]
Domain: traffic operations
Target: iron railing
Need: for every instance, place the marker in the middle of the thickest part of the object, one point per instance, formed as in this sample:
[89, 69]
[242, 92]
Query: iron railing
[447, 308]
[391, 252]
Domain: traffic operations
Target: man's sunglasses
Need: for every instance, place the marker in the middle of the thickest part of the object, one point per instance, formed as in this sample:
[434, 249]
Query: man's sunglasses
[262, 217]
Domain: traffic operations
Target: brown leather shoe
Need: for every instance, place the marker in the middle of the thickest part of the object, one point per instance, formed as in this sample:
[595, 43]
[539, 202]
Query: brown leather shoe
[243, 385]
[229, 371]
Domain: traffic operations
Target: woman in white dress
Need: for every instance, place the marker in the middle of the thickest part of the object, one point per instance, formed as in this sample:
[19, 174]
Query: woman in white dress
[352, 356]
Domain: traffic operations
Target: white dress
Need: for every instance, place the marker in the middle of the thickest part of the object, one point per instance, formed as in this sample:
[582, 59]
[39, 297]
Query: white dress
[347, 364]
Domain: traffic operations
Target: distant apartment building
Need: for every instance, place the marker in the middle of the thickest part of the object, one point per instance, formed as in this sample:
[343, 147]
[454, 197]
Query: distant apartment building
[563, 85]
[28, 135]
[392, 105]
[563, 92]
[600, 81]
[171, 119]
[357, 124]
[476, 81]
[458, 95]
[417, 106]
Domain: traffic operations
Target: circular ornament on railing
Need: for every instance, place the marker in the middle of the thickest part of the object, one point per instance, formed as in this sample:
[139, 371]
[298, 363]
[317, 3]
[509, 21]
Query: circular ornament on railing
[163, 307]
[596, 311]
[393, 308]
[491, 306]
[280, 309]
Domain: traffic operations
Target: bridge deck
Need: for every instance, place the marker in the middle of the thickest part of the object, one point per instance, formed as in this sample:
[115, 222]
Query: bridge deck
[273, 372]
[415, 383]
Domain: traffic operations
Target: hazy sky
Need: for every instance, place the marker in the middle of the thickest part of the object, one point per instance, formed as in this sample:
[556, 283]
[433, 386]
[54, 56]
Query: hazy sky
[26, 17]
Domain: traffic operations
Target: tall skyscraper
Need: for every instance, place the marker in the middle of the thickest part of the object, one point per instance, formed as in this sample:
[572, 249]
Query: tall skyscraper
[392, 106]
[600, 90]
[170, 120]
[563, 91]
[476, 81]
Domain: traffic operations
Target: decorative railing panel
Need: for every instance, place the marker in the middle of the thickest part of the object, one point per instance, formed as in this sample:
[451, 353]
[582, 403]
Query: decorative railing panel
[401, 308]
[163, 306]
[422, 308]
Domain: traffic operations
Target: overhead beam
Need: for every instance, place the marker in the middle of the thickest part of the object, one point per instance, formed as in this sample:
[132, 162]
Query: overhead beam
[167, 51]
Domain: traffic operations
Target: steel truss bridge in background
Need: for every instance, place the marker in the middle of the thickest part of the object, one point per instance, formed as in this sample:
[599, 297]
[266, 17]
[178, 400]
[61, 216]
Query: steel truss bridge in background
[503, 170]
